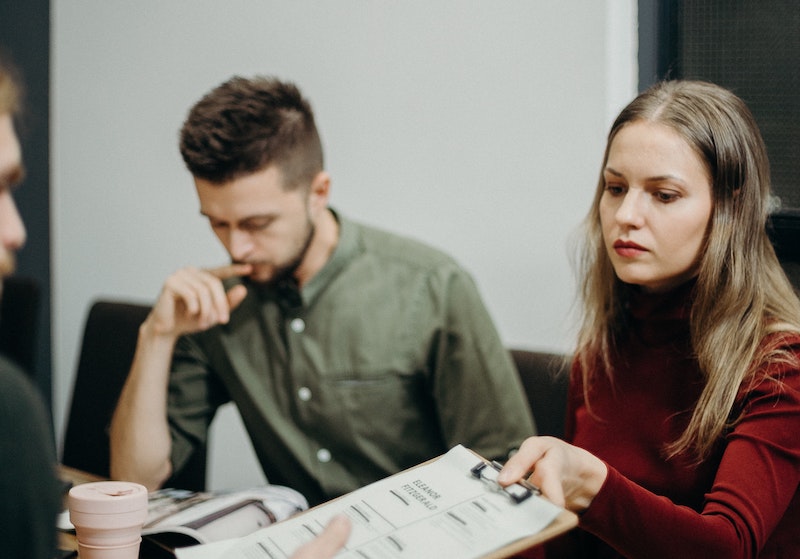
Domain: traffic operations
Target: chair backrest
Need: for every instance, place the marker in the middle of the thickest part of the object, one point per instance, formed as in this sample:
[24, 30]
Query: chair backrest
[544, 378]
[784, 232]
[19, 315]
[109, 342]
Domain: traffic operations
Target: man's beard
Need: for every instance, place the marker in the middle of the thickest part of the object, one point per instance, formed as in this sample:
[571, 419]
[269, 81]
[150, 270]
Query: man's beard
[287, 271]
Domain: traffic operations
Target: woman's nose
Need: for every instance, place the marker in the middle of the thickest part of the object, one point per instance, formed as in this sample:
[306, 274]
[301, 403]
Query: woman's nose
[631, 211]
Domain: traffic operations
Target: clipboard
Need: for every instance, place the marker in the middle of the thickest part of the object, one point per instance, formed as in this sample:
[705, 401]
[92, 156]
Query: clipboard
[487, 471]
[448, 506]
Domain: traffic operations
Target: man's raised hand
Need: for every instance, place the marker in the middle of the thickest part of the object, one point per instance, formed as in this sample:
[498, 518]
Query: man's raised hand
[194, 299]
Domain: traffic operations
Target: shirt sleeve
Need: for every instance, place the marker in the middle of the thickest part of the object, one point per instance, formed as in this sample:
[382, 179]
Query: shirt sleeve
[756, 482]
[193, 398]
[480, 400]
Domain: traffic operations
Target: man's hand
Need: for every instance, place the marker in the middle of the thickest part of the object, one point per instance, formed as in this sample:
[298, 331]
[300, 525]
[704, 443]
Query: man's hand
[328, 543]
[193, 300]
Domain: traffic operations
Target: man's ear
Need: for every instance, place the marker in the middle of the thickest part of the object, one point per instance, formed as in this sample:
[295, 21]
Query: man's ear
[319, 192]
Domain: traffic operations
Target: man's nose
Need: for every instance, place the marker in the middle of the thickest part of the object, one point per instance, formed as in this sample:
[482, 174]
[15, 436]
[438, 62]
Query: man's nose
[241, 244]
[12, 229]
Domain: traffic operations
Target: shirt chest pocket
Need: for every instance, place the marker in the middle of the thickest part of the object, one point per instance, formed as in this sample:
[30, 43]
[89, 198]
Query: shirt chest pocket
[382, 408]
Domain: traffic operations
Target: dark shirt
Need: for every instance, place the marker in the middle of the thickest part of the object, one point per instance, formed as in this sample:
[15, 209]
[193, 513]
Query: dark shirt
[30, 496]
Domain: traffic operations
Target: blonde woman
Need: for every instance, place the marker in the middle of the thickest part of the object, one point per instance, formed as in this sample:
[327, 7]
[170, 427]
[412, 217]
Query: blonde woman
[684, 410]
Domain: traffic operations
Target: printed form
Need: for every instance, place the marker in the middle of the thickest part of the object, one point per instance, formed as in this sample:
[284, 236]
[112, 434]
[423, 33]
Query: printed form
[439, 509]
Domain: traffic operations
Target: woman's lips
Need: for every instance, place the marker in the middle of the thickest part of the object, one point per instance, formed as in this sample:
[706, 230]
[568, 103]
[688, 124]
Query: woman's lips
[628, 249]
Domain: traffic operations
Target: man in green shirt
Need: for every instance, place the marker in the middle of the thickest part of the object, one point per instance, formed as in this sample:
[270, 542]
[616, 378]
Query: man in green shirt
[351, 353]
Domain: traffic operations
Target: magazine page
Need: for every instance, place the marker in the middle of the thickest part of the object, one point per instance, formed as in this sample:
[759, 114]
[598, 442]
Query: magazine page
[208, 517]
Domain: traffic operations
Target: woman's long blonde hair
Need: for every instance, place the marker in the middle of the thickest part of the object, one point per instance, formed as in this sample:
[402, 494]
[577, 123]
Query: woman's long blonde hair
[741, 295]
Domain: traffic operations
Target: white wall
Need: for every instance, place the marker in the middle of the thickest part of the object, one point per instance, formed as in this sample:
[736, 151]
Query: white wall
[475, 126]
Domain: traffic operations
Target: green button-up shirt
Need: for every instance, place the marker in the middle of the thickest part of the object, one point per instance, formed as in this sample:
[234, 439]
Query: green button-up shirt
[386, 358]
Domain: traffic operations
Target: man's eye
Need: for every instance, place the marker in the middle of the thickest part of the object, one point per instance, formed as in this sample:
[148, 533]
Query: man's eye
[256, 225]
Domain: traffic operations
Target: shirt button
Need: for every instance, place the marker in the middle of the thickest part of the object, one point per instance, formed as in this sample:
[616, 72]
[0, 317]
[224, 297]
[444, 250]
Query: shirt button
[297, 325]
[304, 393]
[324, 455]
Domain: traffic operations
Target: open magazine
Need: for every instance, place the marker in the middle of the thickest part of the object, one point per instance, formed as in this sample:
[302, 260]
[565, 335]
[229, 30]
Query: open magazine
[179, 518]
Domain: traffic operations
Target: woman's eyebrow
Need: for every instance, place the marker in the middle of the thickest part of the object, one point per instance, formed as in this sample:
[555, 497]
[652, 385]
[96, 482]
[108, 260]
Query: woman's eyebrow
[656, 178]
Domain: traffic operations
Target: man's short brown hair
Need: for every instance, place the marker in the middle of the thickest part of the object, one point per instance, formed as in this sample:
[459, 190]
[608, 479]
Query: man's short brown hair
[246, 124]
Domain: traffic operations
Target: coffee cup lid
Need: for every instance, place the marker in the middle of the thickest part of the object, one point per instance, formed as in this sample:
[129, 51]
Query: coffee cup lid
[104, 497]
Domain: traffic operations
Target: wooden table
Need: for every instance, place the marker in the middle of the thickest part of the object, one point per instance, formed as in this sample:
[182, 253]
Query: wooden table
[75, 476]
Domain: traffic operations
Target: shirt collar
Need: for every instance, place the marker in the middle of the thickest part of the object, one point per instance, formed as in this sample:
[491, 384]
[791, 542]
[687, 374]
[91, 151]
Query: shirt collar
[289, 296]
[345, 251]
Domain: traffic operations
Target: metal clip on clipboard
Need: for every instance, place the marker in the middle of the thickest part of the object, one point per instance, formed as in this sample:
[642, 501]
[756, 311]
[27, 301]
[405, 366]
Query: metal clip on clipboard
[518, 492]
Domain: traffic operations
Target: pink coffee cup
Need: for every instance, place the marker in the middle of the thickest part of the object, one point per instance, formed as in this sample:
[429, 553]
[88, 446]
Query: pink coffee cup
[108, 517]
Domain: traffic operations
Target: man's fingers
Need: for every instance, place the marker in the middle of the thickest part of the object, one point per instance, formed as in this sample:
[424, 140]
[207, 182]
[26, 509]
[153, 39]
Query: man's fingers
[329, 542]
[201, 293]
[236, 295]
[335, 535]
[231, 270]
[200, 299]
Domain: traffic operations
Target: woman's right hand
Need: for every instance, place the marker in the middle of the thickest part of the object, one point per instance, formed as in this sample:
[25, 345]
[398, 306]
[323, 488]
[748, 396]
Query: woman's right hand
[567, 475]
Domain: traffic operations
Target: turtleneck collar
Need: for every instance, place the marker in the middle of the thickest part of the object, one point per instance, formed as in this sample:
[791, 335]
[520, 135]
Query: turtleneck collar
[658, 318]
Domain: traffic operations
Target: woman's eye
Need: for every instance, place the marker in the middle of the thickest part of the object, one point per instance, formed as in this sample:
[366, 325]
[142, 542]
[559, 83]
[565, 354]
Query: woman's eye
[666, 196]
[614, 189]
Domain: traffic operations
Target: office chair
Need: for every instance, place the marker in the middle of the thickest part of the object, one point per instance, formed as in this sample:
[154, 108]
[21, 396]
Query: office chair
[109, 342]
[19, 315]
[544, 378]
[784, 232]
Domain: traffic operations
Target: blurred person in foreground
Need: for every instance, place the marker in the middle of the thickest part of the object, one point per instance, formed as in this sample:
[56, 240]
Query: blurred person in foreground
[30, 497]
